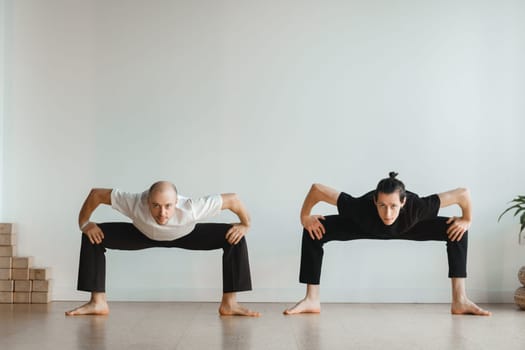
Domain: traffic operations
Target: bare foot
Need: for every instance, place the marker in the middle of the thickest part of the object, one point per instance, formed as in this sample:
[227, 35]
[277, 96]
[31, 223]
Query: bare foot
[236, 310]
[90, 308]
[305, 306]
[468, 308]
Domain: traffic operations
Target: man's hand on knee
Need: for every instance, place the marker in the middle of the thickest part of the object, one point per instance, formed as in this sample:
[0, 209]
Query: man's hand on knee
[236, 233]
[94, 233]
[312, 224]
[457, 228]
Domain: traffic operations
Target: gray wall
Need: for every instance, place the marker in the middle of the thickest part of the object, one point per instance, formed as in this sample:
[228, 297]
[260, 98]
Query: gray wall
[262, 99]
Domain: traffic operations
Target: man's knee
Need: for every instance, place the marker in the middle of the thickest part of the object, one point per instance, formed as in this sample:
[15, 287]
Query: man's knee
[85, 240]
[308, 237]
[463, 240]
[242, 242]
[241, 245]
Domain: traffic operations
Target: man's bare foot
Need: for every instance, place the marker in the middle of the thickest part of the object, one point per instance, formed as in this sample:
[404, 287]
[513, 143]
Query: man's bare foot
[305, 306]
[236, 310]
[90, 308]
[468, 308]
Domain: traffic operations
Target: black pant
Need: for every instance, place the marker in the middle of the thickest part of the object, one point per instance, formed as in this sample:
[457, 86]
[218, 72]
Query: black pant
[339, 229]
[125, 236]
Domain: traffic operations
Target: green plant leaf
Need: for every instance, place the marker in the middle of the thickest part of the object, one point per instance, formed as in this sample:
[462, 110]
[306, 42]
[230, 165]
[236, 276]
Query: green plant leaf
[518, 199]
[519, 210]
[522, 221]
[508, 209]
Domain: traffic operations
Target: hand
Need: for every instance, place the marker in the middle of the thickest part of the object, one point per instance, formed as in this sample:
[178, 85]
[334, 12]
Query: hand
[457, 228]
[236, 233]
[94, 233]
[313, 225]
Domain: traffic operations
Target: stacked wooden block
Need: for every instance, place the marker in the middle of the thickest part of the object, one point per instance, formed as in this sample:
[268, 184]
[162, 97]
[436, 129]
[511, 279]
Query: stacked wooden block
[20, 282]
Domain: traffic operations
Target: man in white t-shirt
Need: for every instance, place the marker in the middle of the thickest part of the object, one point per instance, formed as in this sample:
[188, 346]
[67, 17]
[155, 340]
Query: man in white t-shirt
[162, 218]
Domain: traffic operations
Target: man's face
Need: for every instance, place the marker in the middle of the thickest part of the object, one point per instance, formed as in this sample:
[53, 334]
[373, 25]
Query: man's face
[388, 206]
[162, 205]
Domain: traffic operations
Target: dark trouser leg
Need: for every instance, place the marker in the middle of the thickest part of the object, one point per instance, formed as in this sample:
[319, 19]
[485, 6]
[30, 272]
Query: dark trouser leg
[342, 230]
[311, 260]
[235, 263]
[124, 236]
[92, 265]
[312, 249]
[436, 230]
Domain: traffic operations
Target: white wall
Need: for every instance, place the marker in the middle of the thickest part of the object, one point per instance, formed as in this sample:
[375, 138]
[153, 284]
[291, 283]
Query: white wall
[264, 98]
[3, 92]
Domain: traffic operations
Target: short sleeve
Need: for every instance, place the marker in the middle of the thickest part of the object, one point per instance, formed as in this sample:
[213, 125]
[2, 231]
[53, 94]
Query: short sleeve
[428, 207]
[344, 204]
[125, 202]
[206, 207]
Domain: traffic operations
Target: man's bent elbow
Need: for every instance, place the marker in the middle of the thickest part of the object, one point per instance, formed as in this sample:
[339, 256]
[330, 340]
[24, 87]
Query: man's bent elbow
[230, 201]
[316, 187]
[100, 196]
[464, 192]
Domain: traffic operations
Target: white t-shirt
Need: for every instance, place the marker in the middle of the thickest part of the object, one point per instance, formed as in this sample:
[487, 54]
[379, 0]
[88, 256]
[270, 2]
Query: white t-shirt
[187, 212]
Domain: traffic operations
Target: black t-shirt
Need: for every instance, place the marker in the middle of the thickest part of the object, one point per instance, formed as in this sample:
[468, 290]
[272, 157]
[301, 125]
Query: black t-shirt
[363, 212]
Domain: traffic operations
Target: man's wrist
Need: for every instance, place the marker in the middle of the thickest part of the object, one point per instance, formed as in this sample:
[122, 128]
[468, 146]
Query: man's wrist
[84, 225]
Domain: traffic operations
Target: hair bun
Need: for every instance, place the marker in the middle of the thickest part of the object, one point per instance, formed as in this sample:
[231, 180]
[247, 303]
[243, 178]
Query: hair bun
[392, 174]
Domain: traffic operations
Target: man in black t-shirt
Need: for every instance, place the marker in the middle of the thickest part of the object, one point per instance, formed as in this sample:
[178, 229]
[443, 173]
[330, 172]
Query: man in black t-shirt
[389, 212]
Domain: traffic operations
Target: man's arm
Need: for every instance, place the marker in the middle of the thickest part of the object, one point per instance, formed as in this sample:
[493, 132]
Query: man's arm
[318, 193]
[95, 197]
[232, 202]
[461, 197]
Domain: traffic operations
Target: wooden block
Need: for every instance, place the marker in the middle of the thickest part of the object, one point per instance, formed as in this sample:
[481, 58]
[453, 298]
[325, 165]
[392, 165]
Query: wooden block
[40, 297]
[6, 286]
[41, 286]
[7, 239]
[23, 286]
[6, 297]
[7, 227]
[40, 273]
[21, 298]
[8, 250]
[5, 274]
[20, 274]
[6, 262]
[22, 262]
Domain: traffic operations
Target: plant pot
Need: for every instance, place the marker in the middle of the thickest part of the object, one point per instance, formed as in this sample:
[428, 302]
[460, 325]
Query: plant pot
[519, 297]
[521, 275]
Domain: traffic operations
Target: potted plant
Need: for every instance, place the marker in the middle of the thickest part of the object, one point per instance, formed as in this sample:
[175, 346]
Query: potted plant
[518, 203]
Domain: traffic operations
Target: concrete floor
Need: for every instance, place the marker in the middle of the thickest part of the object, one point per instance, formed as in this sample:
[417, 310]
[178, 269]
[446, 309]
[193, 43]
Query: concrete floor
[178, 325]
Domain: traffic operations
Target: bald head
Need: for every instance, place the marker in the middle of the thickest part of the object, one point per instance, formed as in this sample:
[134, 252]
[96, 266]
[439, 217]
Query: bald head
[162, 198]
[162, 186]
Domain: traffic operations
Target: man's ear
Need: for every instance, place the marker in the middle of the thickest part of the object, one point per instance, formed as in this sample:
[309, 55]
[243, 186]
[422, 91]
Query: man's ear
[403, 202]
